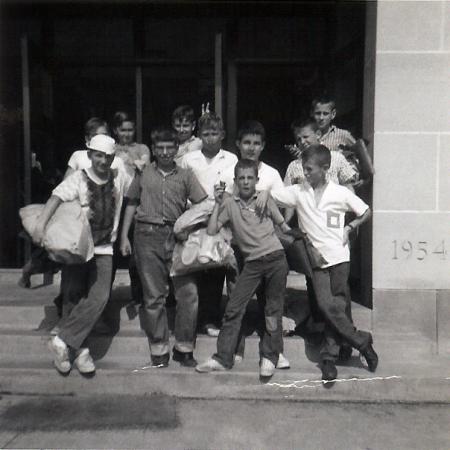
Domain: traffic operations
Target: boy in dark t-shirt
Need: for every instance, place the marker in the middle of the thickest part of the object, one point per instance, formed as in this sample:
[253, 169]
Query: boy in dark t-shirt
[264, 259]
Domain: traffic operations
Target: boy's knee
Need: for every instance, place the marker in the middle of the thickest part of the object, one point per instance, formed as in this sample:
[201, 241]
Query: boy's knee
[272, 323]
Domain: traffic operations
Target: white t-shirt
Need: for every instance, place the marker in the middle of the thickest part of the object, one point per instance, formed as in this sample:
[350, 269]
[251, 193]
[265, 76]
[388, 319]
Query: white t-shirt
[323, 223]
[80, 160]
[269, 179]
[208, 170]
[74, 187]
[192, 145]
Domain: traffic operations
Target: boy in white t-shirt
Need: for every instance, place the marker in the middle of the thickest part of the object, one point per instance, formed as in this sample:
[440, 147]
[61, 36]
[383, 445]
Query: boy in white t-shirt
[87, 287]
[208, 164]
[79, 159]
[321, 206]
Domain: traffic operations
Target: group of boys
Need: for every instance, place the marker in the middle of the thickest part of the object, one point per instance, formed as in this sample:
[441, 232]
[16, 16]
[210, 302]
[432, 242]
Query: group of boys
[247, 196]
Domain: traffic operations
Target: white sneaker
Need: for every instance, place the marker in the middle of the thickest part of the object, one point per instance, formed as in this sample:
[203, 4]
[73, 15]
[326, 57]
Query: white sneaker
[283, 362]
[211, 365]
[267, 368]
[212, 330]
[238, 359]
[60, 353]
[84, 361]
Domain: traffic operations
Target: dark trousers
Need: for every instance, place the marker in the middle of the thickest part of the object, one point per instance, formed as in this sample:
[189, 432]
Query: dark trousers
[273, 269]
[210, 284]
[250, 322]
[153, 247]
[331, 289]
[86, 290]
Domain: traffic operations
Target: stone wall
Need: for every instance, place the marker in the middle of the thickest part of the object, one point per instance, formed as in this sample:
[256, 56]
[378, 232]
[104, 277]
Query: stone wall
[411, 192]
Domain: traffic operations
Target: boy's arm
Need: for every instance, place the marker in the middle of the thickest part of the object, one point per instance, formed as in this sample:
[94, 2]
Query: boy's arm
[49, 209]
[288, 214]
[285, 197]
[355, 223]
[69, 172]
[213, 224]
[261, 200]
[276, 216]
[125, 246]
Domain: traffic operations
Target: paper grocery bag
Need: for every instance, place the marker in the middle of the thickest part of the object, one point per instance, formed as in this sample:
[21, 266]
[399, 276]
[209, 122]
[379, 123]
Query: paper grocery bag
[67, 237]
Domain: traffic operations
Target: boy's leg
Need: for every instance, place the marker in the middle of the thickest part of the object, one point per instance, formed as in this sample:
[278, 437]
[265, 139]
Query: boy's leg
[345, 350]
[210, 288]
[231, 278]
[135, 280]
[96, 276]
[245, 287]
[275, 276]
[330, 285]
[186, 296]
[152, 245]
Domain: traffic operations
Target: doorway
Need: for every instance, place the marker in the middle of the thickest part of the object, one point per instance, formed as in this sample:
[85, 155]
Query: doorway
[273, 61]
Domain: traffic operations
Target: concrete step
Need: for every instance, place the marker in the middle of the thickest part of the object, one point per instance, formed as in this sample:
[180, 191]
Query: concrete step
[130, 348]
[409, 369]
[403, 382]
[28, 315]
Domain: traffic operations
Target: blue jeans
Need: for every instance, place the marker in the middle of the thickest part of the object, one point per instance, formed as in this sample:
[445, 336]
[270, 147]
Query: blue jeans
[86, 290]
[273, 269]
[331, 289]
[153, 248]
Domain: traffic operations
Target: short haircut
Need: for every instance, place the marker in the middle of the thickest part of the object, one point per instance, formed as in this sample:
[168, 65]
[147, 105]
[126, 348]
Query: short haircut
[246, 164]
[251, 127]
[210, 120]
[319, 153]
[184, 112]
[93, 124]
[164, 134]
[298, 124]
[323, 99]
[120, 117]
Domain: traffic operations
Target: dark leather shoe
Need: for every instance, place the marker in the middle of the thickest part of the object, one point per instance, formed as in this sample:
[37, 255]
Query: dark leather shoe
[329, 371]
[160, 361]
[345, 352]
[185, 359]
[369, 354]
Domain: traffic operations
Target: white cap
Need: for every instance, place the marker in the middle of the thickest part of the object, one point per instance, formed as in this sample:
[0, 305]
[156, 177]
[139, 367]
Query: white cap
[102, 143]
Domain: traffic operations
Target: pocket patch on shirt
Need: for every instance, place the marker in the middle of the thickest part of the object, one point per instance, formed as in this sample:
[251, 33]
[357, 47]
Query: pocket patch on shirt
[333, 220]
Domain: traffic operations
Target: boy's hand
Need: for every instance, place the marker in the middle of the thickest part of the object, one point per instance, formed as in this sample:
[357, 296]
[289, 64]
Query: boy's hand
[139, 164]
[39, 233]
[346, 236]
[261, 203]
[219, 189]
[205, 108]
[293, 150]
[362, 182]
[125, 247]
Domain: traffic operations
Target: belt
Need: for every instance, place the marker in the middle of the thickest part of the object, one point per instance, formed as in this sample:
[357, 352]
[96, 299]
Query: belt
[165, 223]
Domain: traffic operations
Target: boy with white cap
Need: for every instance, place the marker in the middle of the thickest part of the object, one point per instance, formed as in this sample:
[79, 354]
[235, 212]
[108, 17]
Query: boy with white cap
[100, 191]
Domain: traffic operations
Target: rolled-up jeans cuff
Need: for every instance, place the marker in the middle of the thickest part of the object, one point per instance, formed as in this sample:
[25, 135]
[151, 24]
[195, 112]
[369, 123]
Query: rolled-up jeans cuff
[159, 349]
[184, 347]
